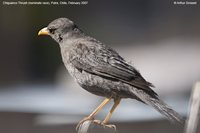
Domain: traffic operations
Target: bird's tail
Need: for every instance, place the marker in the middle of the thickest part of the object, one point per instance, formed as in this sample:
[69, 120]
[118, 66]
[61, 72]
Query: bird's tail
[159, 105]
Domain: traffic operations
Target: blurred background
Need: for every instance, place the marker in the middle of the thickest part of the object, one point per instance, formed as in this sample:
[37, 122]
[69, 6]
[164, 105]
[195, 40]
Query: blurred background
[160, 39]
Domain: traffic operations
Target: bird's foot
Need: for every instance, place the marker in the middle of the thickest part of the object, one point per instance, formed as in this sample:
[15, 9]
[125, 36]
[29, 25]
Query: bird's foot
[83, 120]
[104, 124]
[109, 126]
[98, 122]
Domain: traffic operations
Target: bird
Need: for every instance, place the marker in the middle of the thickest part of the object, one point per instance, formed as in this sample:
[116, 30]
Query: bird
[100, 70]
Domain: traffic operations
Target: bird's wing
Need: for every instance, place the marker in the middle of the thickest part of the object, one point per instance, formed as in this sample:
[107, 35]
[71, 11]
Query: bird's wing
[105, 62]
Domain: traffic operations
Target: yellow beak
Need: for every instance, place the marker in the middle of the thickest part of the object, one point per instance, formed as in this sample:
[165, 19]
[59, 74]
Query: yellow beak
[43, 31]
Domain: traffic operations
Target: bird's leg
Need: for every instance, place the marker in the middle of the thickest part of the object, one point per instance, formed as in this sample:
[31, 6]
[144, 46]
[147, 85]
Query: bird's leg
[104, 123]
[92, 115]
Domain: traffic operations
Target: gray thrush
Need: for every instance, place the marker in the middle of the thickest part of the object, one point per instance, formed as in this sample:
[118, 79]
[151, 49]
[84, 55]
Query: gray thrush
[100, 70]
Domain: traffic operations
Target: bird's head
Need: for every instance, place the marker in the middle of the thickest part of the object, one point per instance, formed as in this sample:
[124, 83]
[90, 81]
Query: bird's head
[58, 28]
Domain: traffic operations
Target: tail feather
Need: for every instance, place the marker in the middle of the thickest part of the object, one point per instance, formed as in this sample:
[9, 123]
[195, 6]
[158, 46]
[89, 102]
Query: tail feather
[165, 110]
[159, 105]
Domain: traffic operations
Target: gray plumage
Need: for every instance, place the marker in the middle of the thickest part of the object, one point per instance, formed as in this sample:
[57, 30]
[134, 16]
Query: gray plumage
[101, 70]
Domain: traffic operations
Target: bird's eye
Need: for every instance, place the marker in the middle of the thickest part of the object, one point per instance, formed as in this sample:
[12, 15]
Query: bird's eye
[52, 30]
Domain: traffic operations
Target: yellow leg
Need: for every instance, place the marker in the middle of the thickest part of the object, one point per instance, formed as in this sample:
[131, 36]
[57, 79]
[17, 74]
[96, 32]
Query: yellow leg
[92, 115]
[111, 111]
[99, 107]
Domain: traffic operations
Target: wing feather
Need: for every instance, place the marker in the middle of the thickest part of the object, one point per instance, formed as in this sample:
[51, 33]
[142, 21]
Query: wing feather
[108, 63]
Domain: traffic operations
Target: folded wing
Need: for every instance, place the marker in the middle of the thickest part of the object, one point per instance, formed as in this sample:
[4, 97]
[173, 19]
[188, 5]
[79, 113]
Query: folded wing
[105, 62]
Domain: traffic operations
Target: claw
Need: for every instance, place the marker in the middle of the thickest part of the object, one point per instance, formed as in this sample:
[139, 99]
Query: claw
[98, 122]
[110, 126]
[105, 125]
[83, 120]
